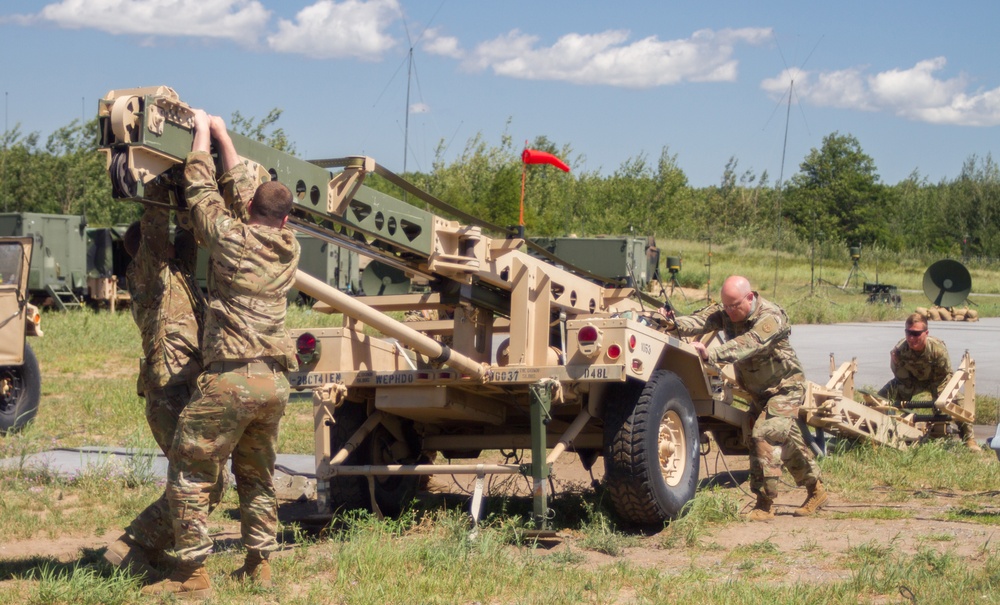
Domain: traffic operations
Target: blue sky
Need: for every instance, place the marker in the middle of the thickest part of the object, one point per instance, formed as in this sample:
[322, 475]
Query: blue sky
[917, 83]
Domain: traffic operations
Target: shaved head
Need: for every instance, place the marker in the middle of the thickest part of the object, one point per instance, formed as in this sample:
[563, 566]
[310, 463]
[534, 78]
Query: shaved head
[737, 297]
[736, 286]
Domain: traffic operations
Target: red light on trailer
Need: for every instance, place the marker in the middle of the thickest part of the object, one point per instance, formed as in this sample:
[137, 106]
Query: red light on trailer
[631, 342]
[589, 340]
[637, 365]
[614, 352]
[588, 335]
[305, 347]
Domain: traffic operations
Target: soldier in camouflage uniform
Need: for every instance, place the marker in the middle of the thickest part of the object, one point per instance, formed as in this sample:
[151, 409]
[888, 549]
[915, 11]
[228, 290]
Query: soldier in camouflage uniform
[920, 363]
[756, 334]
[243, 391]
[168, 308]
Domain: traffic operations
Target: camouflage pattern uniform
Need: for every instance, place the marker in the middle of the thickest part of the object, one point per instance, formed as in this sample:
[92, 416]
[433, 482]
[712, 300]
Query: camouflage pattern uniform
[917, 372]
[768, 369]
[243, 391]
[168, 308]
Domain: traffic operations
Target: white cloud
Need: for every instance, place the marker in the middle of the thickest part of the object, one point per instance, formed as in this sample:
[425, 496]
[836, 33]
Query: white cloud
[238, 20]
[436, 44]
[420, 108]
[915, 93]
[332, 30]
[609, 58]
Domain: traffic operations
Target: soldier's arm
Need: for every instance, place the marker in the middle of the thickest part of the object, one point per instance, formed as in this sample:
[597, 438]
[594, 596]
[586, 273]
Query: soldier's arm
[203, 198]
[897, 364]
[208, 210]
[237, 188]
[766, 332]
[235, 183]
[700, 322]
[155, 227]
[942, 371]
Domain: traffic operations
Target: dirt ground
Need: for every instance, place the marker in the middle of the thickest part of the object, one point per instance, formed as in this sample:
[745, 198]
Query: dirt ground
[807, 549]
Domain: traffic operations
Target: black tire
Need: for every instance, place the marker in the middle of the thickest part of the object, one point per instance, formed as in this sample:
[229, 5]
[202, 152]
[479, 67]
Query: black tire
[20, 391]
[645, 491]
[392, 493]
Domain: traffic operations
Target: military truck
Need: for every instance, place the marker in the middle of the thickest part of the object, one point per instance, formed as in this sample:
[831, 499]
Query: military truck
[58, 275]
[20, 378]
[517, 351]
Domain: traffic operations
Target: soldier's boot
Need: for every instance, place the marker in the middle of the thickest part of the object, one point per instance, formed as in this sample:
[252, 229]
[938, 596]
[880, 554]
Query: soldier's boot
[763, 510]
[255, 569]
[125, 553]
[188, 581]
[817, 498]
[970, 442]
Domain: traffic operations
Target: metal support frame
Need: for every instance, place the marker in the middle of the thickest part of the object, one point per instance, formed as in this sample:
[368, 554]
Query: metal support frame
[541, 405]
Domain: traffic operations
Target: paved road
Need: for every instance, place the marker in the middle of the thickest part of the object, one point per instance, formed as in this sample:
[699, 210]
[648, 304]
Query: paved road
[870, 343]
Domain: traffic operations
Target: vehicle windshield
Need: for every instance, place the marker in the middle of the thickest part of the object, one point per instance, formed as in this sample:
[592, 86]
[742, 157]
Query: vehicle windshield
[10, 263]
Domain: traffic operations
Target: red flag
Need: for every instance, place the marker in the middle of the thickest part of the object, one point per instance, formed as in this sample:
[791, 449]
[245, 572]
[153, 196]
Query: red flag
[533, 156]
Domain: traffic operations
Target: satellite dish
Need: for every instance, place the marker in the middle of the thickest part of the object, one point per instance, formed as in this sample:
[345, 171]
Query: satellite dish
[379, 279]
[947, 283]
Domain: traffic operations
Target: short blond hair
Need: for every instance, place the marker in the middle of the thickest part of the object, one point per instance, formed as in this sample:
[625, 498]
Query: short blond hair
[916, 318]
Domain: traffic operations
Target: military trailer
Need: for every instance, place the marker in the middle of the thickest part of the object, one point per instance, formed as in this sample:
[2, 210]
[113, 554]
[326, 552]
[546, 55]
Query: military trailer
[519, 352]
[58, 275]
[107, 261]
[20, 378]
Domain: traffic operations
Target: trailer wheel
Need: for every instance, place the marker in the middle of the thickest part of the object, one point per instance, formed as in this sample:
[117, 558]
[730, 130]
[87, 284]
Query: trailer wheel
[20, 391]
[392, 493]
[651, 449]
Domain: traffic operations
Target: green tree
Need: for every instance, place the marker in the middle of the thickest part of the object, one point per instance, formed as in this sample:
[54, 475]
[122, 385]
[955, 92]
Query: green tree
[66, 176]
[837, 192]
[972, 209]
[263, 130]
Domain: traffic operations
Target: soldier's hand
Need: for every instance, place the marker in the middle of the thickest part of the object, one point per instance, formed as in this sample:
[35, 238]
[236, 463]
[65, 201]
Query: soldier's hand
[218, 125]
[700, 347]
[202, 121]
[665, 317]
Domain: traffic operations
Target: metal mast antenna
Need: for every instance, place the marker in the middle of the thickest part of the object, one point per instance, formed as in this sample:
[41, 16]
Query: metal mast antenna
[784, 148]
[406, 122]
[781, 178]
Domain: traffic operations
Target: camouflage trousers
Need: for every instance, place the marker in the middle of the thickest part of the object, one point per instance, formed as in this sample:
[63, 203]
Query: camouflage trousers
[776, 440]
[153, 528]
[899, 391]
[235, 411]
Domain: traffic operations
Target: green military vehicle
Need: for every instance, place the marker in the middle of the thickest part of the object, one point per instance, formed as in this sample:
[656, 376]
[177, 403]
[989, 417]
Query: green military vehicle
[20, 378]
[58, 273]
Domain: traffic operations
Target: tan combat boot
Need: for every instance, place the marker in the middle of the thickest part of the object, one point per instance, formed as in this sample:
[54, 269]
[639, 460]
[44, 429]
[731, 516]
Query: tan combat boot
[817, 498]
[973, 445]
[186, 582]
[125, 553]
[763, 510]
[255, 569]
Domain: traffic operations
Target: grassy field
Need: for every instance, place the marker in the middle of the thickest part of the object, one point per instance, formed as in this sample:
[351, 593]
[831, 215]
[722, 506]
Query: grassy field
[812, 288]
[904, 526]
